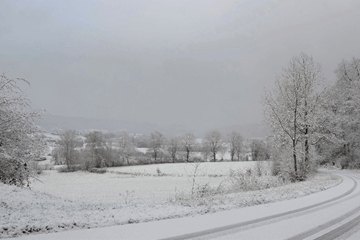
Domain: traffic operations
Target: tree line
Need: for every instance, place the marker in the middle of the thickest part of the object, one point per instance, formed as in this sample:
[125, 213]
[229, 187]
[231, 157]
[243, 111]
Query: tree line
[110, 150]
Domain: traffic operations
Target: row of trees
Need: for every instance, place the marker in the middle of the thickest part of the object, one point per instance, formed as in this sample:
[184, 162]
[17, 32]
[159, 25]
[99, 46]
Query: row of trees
[311, 122]
[99, 151]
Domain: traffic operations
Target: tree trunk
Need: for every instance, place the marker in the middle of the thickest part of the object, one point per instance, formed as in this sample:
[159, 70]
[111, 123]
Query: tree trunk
[294, 156]
[306, 147]
[155, 155]
[306, 160]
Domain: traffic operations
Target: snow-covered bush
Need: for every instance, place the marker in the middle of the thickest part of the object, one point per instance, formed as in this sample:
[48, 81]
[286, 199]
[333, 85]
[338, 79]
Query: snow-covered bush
[20, 142]
[250, 181]
[13, 171]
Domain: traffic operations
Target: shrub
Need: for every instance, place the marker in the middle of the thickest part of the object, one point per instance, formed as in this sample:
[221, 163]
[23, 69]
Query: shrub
[259, 178]
[98, 170]
[36, 167]
[13, 171]
[66, 169]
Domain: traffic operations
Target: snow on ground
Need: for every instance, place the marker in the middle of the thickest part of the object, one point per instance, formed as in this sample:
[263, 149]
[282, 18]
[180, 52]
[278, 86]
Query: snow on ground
[185, 169]
[141, 184]
[110, 187]
[89, 200]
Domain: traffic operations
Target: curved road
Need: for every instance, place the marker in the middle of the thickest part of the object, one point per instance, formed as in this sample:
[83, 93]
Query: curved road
[330, 214]
[335, 218]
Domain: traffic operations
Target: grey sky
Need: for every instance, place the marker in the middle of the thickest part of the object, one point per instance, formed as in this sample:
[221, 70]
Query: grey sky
[195, 63]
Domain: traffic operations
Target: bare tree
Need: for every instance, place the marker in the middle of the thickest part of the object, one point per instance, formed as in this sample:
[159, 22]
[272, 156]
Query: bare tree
[213, 141]
[235, 141]
[95, 145]
[19, 135]
[173, 146]
[67, 148]
[188, 142]
[126, 147]
[291, 109]
[259, 150]
[157, 141]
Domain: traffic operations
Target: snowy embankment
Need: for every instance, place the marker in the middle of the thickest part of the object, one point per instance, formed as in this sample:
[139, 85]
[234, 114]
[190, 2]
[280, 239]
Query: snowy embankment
[25, 211]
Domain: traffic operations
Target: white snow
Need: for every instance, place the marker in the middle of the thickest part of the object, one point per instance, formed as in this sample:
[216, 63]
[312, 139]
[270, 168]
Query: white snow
[87, 200]
[185, 169]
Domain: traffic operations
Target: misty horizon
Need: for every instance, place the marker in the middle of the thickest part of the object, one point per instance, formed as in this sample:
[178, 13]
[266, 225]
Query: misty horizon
[202, 64]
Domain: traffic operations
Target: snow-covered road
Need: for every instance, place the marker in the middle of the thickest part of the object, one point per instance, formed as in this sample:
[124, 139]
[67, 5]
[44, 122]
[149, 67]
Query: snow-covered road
[324, 215]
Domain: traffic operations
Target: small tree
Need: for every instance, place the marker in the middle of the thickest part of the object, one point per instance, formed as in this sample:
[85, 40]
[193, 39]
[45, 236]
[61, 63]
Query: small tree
[259, 150]
[126, 147]
[235, 142]
[213, 142]
[95, 146]
[188, 142]
[173, 147]
[157, 141]
[67, 148]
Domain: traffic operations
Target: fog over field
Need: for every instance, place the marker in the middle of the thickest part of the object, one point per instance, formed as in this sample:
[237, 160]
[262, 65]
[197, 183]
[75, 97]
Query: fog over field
[191, 63]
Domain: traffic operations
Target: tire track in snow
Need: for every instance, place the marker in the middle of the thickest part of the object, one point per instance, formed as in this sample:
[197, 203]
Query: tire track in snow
[333, 232]
[268, 219]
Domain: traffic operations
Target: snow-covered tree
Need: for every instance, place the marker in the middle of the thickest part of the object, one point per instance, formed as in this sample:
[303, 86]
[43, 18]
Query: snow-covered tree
[95, 146]
[235, 144]
[173, 145]
[19, 135]
[292, 109]
[259, 150]
[214, 143]
[156, 144]
[188, 142]
[68, 143]
[126, 147]
[341, 117]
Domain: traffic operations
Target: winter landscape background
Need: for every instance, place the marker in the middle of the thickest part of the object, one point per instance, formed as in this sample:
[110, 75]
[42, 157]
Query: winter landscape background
[150, 119]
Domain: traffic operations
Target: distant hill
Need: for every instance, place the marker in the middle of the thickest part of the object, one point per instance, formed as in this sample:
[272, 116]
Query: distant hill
[53, 123]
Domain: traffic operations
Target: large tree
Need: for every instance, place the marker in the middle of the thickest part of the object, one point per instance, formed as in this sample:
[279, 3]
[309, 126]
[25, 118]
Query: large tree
[292, 109]
[19, 139]
[341, 117]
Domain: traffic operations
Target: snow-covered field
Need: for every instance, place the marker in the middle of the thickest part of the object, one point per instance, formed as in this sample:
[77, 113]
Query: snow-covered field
[138, 184]
[186, 169]
[65, 201]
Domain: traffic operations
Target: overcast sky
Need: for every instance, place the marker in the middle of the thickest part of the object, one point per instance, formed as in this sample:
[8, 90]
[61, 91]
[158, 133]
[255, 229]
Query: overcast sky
[190, 62]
